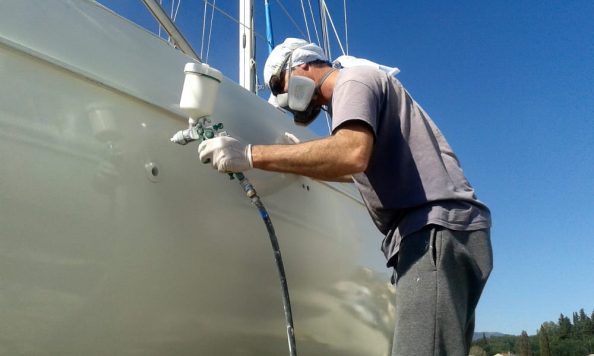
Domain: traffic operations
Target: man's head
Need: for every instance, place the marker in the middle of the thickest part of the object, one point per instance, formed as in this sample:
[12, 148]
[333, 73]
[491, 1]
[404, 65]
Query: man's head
[294, 72]
[293, 50]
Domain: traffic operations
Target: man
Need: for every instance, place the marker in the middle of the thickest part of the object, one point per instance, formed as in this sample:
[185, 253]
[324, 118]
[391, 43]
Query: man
[437, 232]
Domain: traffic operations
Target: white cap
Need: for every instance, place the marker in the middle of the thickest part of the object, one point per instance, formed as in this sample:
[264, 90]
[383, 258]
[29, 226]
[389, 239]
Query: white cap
[303, 52]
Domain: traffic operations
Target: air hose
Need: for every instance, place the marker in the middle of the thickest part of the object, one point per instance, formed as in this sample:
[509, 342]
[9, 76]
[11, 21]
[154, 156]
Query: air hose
[198, 130]
[251, 193]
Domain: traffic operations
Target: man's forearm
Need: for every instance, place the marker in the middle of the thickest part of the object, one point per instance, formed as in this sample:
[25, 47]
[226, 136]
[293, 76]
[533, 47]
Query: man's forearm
[303, 159]
[332, 158]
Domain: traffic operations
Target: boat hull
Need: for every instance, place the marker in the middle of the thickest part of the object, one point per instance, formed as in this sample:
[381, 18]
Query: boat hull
[116, 241]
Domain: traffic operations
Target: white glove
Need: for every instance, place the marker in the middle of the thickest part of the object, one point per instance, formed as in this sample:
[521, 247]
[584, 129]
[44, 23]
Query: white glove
[226, 154]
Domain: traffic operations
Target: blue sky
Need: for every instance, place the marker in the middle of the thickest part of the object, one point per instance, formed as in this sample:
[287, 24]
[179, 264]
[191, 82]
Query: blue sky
[511, 85]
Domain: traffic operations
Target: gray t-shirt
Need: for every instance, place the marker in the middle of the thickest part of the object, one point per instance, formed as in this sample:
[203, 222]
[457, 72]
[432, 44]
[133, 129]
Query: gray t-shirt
[413, 178]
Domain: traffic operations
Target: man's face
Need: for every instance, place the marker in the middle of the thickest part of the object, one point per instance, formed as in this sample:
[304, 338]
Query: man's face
[279, 83]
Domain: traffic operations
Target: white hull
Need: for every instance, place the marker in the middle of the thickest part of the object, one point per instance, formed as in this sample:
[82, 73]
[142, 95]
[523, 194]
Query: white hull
[98, 256]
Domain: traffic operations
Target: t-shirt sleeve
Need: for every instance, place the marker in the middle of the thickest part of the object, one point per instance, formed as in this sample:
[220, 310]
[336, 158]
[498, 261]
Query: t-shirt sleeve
[355, 100]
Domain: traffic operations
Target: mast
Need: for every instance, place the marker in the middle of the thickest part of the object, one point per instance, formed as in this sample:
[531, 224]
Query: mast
[247, 63]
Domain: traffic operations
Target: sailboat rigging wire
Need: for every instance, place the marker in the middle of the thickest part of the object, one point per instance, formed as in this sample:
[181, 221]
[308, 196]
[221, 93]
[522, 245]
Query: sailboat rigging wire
[176, 10]
[210, 31]
[313, 20]
[160, 3]
[290, 17]
[346, 28]
[206, 2]
[328, 121]
[334, 28]
[203, 29]
[171, 17]
[305, 20]
[324, 27]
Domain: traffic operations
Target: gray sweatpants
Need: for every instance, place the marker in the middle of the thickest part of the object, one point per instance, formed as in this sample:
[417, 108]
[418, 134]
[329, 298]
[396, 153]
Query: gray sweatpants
[439, 277]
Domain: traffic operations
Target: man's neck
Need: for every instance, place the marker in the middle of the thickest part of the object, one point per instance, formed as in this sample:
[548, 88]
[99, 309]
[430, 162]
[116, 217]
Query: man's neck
[327, 87]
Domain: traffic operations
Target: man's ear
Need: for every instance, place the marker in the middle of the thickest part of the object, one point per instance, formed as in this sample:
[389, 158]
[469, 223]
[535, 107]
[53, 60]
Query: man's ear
[304, 66]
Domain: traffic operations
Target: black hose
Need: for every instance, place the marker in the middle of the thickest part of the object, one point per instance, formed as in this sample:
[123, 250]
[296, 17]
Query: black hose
[251, 193]
[198, 131]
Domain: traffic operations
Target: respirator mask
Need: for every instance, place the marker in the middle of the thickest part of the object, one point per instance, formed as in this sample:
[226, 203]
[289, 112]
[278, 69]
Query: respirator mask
[301, 94]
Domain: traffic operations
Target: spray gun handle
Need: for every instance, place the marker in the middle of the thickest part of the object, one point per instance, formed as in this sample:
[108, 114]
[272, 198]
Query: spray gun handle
[216, 131]
[200, 132]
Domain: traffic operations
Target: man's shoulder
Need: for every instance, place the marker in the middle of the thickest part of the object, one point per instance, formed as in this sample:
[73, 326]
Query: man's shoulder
[362, 73]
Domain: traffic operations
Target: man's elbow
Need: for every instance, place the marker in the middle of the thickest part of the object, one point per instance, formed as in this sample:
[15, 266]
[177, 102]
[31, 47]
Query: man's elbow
[355, 148]
[358, 162]
[361, 165]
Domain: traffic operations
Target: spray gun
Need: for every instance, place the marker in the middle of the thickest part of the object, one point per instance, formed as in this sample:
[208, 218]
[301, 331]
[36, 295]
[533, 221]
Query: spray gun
[198, 130]
[199, 94]
[198, 97]
[197, 100]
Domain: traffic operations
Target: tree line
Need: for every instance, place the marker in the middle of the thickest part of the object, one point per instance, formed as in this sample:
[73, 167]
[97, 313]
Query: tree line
[567, 337]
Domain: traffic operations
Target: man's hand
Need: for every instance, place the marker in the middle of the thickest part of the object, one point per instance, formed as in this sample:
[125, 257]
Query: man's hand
[226, 154]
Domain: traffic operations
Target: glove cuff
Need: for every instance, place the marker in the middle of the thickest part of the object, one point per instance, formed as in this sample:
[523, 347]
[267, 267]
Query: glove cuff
[248, 154]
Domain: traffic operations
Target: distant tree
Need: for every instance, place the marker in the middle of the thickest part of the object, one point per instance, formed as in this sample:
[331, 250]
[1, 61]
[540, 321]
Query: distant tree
[586, 323]
[543, 341]
[483, 343]
[567, 347]
[477, 351]
[551, 328]
[564, 327]
[524, 345]
[501, 344]
[582, 316]
[578, 326]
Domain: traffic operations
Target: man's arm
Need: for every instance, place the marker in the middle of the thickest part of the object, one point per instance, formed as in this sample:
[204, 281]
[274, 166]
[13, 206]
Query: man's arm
[335, 157]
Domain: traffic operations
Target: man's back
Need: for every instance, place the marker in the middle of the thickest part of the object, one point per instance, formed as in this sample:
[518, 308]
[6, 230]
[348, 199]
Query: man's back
[413, 178]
